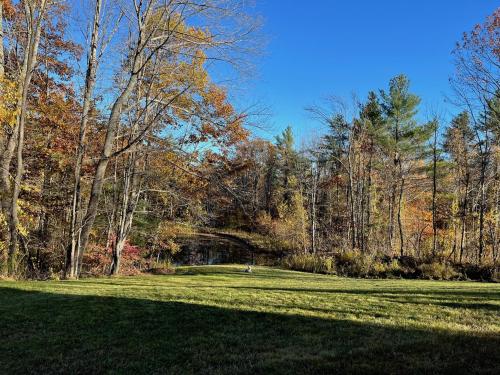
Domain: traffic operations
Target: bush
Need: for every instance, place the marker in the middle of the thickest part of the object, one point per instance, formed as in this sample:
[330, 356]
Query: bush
[330, 266]
[309, 263]
[355, 264]
[395, 269]
[496, 275]
[161, 271]
[351, 263]
[386, 268]
[408, 262]
[164, 267]
[97, 260]
[485, 272]
[379, 268]
[438, 271]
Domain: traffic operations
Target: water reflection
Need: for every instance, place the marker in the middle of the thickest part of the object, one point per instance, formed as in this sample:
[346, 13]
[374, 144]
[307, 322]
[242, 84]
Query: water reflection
[207, 249]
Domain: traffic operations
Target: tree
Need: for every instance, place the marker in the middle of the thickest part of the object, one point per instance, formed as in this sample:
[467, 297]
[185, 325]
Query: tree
[33, 18]
[285, 147]
[405, 144]
[477, 88]
[73, 249]
[459, 144]
[372, 117]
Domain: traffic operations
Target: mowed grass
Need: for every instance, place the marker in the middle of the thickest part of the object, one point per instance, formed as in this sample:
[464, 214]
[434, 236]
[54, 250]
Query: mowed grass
[220, 320]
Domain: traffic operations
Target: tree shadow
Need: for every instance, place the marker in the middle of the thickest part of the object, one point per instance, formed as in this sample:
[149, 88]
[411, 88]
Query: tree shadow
[56, 333]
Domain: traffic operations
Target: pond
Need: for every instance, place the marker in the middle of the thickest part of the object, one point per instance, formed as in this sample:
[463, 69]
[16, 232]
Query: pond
[208, 249]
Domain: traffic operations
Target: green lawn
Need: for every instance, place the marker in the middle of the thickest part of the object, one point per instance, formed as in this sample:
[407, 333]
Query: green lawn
[220, 320]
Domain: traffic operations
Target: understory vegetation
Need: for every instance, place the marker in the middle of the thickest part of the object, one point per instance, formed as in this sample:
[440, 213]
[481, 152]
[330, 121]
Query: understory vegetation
[352, 264]
[221, 320]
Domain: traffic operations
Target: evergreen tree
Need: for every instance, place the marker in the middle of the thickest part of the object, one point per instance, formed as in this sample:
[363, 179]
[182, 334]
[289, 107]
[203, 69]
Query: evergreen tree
[288, 162]
[406, 142]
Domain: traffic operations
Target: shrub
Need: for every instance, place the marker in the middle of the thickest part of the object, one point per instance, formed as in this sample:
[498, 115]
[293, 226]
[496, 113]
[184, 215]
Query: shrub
[386, 267]
[438, 271]
[163, 267]
[330, 266]
[309, 263]
[355, 264]
[395, 269]
[97, 260]
[496, 275]
[351, 263]
[485, 272]
[379, 269]
[408, 262]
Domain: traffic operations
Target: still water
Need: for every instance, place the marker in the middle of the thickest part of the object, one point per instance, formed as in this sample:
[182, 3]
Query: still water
[208, 249]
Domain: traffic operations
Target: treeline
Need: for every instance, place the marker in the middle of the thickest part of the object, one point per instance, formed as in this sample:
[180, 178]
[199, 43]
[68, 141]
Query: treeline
[381, 181]
[113, 146]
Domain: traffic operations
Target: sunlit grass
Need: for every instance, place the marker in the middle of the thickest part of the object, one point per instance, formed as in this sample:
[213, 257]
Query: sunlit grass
[222, 320]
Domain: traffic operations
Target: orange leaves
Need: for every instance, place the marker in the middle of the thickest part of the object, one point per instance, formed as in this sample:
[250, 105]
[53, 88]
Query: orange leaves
[54, 129]
[8, 9]
[216, 98]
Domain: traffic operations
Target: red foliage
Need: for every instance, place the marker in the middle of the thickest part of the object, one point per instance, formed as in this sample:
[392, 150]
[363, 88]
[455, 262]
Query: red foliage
[97, 259]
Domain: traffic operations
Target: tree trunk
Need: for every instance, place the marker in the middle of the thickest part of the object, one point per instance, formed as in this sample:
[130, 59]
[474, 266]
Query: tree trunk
[482, 208]
[400, 222]
[2, 58]
[34, 22]
[75, 224]
[351, 195]
[434, 192]
[314, 193]
[102, 164]
[3, 255]
[117, 256]
[14, 219]
[369, 203]
[129, 202]
[8, 152]
[464, 217]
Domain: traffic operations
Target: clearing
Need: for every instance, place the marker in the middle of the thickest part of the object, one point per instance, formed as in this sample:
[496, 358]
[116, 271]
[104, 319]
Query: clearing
[220, 320]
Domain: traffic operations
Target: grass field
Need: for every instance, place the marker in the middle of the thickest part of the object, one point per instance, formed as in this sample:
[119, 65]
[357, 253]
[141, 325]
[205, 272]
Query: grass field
[220, 320]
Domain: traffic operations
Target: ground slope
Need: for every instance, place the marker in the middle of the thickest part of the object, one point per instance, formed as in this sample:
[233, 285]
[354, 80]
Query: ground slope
[220, 320]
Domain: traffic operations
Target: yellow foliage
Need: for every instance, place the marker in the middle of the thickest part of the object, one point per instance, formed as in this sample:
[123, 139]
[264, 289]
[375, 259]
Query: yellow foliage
[168, 232]
[25, 219]
[8, 102]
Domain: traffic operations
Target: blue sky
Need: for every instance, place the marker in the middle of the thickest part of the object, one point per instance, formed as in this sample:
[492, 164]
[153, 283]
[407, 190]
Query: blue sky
[332, 47]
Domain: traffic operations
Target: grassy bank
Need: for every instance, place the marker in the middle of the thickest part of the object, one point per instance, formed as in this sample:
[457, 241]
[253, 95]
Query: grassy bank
[220, 320]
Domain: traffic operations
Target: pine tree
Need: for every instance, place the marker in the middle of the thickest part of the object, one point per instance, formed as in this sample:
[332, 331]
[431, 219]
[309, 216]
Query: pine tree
[405, 143]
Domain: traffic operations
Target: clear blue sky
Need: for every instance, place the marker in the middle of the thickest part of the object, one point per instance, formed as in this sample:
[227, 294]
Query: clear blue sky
[331, 47]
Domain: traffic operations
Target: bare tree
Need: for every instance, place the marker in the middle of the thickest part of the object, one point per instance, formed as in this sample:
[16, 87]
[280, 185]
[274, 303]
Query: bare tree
[477, 88]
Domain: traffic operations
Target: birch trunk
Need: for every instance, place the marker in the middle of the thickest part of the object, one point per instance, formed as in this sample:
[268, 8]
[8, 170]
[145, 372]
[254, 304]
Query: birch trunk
[75, 225]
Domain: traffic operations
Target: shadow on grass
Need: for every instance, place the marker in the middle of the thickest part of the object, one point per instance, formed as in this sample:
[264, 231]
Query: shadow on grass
[55, 333]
